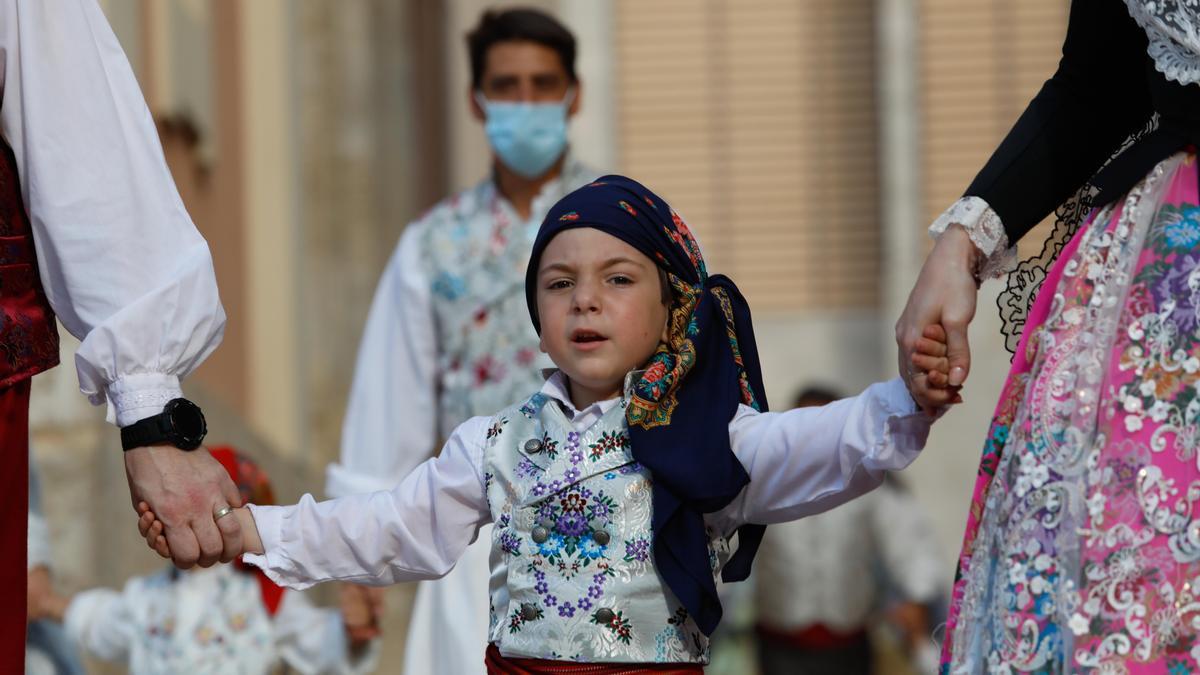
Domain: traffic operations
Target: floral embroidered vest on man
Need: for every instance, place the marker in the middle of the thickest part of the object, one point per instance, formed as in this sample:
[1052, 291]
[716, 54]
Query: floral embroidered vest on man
[573, 573]
[28, 336]
[475, 251]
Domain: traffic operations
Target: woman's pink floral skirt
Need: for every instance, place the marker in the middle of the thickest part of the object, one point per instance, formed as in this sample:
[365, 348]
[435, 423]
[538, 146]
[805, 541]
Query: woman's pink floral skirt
[1082, 549]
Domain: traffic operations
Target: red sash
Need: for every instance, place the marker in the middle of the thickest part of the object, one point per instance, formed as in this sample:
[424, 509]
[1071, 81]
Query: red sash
[498, 664]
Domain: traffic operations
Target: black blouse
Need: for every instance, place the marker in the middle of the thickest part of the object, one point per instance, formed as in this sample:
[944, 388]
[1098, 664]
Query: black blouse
[1104, 90]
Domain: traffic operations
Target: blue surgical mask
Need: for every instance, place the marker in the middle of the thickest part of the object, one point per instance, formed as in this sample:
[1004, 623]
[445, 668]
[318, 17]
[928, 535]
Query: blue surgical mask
[528, 137]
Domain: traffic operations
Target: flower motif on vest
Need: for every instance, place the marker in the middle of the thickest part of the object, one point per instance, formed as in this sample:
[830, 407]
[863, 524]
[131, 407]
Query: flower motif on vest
[573, 574]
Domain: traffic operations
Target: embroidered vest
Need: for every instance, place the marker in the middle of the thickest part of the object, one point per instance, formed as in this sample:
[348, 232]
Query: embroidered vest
[573, 574]
[28, 336]
[488, 352]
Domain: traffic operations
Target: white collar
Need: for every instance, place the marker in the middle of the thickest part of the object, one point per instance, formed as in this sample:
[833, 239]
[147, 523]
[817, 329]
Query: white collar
[557, 388]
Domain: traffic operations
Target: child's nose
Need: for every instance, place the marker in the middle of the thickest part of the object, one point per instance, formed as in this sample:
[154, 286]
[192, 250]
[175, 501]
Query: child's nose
[586, 299]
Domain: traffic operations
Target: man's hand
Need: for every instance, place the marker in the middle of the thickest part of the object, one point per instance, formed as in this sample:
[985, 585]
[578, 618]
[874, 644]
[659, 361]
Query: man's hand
[185, 489]
[945, 294]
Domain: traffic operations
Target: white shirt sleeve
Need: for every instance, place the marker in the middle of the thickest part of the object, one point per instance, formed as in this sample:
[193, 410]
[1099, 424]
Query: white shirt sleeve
[389, 427]
[101, 622]
[415, 531]
[122, 264]
[313, 640]
[808, 460]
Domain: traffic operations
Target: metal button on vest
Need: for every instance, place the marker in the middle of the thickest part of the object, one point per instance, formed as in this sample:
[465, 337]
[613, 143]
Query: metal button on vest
[601, 537]
[528, 611]
[604, 616]
[540, 534]
[533, 446]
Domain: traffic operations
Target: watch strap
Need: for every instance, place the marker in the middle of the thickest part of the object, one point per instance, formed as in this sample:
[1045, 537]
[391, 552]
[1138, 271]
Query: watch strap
[148, 431]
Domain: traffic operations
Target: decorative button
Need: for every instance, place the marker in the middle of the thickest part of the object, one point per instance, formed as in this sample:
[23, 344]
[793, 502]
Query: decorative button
[540, 534]
[529, 612]
[533, 446]
[600, 536]
[604, 616]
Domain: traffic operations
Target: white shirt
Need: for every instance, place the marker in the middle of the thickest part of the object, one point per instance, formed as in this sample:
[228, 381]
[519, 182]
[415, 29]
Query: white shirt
[122, 264]
[800, 462]
[210, 621]
[392, 417]
[826, 569]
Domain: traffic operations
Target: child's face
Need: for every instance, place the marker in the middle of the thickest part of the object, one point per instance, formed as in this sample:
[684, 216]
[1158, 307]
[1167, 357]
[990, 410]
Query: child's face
[600, 303]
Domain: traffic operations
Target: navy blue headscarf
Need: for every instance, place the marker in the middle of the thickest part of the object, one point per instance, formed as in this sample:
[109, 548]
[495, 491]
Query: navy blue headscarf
[679, 412]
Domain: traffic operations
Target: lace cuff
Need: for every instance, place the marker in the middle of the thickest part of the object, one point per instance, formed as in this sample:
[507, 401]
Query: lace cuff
[986, 231]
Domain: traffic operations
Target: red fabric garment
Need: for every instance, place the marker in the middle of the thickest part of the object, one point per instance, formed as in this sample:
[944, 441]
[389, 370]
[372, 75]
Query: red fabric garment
[497, 664]
[14, 522]
[28, 336]
[814, 637]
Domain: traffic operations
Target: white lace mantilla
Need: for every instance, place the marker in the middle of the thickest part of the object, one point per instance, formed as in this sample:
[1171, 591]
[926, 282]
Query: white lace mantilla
[984, 227]
[1173, 28]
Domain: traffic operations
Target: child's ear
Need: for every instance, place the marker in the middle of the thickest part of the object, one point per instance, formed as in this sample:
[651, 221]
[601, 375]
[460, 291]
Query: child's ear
[542, 344]
[666, 331]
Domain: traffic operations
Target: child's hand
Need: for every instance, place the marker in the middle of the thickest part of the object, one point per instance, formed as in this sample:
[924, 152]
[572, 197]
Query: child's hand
[361, 608]
[931, 381]
[152, 529]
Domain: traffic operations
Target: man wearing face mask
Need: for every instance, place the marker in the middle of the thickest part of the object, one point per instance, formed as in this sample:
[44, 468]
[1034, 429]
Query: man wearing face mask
[448, 336]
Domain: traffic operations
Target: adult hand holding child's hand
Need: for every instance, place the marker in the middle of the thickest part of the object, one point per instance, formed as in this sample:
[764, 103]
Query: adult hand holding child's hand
[941, 304]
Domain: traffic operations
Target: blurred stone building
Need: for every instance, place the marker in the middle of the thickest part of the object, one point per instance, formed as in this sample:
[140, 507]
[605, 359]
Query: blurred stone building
[808, 143]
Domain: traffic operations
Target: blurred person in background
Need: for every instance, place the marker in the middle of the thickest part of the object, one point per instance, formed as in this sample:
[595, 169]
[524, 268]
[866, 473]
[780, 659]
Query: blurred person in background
[227, 619]
[93, 231]
[448, 335]
[822, 582]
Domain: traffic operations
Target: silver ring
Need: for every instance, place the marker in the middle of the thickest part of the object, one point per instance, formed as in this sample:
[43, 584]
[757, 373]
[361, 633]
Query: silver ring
[222, 512]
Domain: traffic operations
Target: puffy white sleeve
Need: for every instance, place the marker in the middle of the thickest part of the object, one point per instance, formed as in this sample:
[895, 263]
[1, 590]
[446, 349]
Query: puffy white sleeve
[808, 460]
[417, 530]
[102, 622]
[122, 264]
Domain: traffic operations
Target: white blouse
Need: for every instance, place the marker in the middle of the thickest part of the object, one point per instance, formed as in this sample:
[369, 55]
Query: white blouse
[800, 462]
[122, 264]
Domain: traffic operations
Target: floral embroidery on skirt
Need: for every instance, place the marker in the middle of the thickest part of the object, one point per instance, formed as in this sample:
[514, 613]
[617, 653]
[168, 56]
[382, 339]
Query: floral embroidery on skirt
[1082, 550]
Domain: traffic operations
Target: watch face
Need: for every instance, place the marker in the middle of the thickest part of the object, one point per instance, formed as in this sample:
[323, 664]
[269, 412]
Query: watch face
[187, 422]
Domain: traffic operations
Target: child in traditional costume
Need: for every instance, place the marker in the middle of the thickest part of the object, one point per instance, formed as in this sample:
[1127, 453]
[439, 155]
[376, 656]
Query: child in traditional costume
[641, 474]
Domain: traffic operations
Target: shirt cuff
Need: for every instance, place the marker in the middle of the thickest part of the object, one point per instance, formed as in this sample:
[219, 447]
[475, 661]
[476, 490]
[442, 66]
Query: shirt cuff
[906, 428]
[275, 563]
[986, 230]
[135, 397]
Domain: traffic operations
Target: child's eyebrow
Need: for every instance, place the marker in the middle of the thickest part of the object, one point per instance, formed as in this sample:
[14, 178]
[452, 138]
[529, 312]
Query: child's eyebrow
[555, 267]
[621, 259]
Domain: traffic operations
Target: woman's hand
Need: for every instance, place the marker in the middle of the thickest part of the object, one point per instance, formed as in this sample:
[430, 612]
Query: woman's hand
[945, 295]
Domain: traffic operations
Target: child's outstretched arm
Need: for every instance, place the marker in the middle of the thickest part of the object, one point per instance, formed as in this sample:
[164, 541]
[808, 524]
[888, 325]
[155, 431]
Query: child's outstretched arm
[414, 531]
[808, 460]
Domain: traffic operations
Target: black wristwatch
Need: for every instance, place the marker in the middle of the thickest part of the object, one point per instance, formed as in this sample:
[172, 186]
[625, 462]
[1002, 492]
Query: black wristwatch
[180, 424]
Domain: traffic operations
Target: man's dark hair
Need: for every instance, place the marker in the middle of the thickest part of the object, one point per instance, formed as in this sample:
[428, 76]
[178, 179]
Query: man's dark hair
[519, 25]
